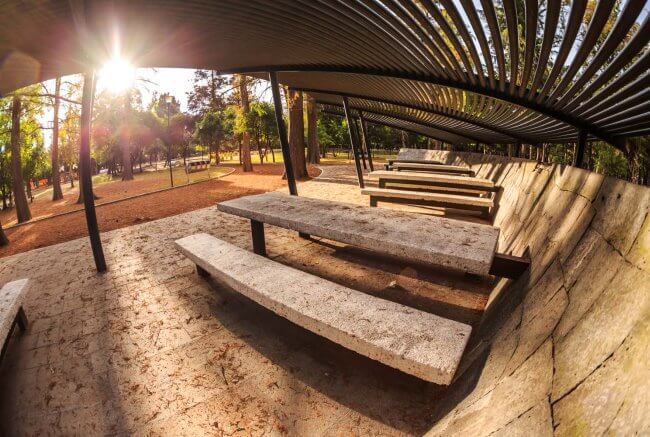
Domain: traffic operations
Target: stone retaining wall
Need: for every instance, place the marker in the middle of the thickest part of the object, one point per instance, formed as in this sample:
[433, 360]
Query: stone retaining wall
[564, 349]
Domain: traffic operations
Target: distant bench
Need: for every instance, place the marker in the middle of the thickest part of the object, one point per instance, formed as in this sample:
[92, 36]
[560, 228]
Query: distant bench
[197, 166]
[416, 342]
[413, 156]
[389, 164]
[433, 168]
[440, 190]
[466, 246]
[12, 295]
[443, 200]
[444, 182]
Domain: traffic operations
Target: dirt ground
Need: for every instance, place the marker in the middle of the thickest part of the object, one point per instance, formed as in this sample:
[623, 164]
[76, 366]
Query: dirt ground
[108, 190]
[267, 177]
[149, 348]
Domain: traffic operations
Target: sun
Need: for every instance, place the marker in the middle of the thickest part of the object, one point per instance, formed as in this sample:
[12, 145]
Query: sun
[117, 75]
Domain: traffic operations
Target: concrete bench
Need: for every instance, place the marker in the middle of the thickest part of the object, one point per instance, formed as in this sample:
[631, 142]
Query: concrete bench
[390, 162]
[441, 182]
[11, 310]
[415, 342]
[413, 156]
[435, 240]
[443, 200]
[433, 168]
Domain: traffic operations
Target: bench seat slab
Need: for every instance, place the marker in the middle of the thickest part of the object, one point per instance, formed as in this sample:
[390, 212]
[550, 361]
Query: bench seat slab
[451, 199]
[418, 343]
[416, 237]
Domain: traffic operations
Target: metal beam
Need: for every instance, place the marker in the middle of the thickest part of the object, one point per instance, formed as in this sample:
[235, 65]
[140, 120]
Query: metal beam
[84, 172]
[366, 140]
[353, 141]
[282, 133]
[393, 125]
[362, 147]
[454, 132]
[579, 158]
[423, 108]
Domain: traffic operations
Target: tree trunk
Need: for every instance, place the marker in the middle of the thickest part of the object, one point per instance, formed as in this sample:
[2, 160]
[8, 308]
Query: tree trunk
[246, 137]
[127, 168]
[313, 152]
[22, 208]
[297, 133]
[57, 192]
[3, 237]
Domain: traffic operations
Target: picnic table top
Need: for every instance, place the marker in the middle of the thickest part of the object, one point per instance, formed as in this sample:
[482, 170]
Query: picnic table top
[436, 240]
[432, 177]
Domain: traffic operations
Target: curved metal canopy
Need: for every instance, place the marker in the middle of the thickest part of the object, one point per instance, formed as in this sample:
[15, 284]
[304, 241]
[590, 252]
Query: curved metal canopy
[404, 124]
[497, 71]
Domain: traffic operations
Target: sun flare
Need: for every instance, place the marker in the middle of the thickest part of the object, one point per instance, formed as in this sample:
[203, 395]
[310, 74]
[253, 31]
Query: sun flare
[117, 75]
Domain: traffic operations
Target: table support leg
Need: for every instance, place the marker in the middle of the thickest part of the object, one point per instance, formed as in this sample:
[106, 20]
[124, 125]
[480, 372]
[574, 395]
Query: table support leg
[257, 231]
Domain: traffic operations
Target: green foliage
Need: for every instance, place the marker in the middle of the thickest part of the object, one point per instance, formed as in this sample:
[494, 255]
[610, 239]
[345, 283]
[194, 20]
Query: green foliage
[609, 161]
[33, 155]
[261, 122]
[332, 130]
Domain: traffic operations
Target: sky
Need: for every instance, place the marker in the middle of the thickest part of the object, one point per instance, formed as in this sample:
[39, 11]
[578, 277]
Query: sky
[176, 81]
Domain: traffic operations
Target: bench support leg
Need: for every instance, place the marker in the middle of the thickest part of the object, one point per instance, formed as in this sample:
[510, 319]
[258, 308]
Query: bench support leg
[21, 322]
[202, 272]
[257, 231]
[508, 266]
[21, 319]
[303, 235]
[373, 201]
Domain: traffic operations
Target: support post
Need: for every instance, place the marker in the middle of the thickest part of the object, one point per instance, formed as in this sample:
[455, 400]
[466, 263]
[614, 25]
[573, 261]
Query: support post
[362, 147]
[84, 171]
[517, 149]
[282, 133]
[366, 141]
[579, 157]
[353, 141]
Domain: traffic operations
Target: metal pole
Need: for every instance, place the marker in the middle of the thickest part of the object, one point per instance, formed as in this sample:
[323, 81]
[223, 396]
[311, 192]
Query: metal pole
[282, 133]
[366, 141]
[579, 157]
[84, 172]
[361, 146]
[169, 148]
[353, 141]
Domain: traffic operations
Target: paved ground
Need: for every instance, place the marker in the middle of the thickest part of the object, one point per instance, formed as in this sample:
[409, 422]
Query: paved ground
[149, 348]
